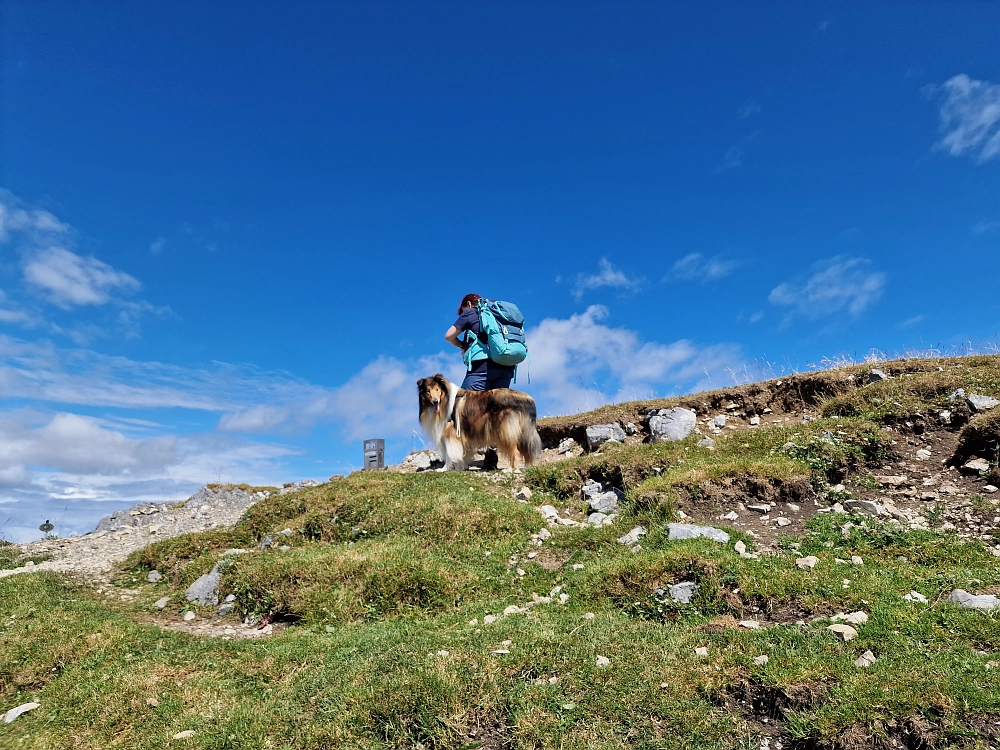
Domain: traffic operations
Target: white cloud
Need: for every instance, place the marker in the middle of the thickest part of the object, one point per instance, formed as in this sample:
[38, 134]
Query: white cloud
[748, 109]
[606, 276]
[580, 363]
[970, 117]
[696, 267]
[836, 285]
[157, 245]
[985, 227]
[69, 280]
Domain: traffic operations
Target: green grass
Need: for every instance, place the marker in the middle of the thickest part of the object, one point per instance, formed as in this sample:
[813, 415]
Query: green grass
[386, 573]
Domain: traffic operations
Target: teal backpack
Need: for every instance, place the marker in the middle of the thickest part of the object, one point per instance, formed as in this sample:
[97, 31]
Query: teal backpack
[501, 327]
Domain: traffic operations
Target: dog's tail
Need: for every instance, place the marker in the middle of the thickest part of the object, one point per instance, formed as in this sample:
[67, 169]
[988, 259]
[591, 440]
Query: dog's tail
[530, 444]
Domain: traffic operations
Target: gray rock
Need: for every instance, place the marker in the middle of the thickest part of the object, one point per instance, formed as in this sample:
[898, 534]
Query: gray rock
[876, 376]
[691, 531]
[225, 609]
[606, 502]
[668, 425]
[566, 445]
[719, 421]
[206, 500]
[596, 519]
[865, 660]
[549, 511]
[161, 603]
[266, 541]
[154, 576]
[754, 421]
[591, 490]
[231, 598]
[957, 394]
[865, 506]
[599, 434]
[976, 465]
[970, 601]
[631, 429]
[206, 589]
[706, 443]
[633, 536]
[981, 403]
[683, 591]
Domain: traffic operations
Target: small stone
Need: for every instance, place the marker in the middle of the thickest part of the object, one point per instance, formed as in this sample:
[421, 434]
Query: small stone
[762, 509]
[442, 653]
[631, 429]
[205, 590]
[976, 466]
[603, 661]
[865, 660]
[474, 621]
[754, 421]
[599, 434]
[750, 624]
[606, 502]
[706, 443]
[678, 531]
[970, 601]
[809, 561]
[683, 591]
[152, 702]
[845, 631]
[544, 534]
[230, 598]
[856, 560]
[701, 651]
[632, 537]
[761, 660]
[566, 445]
[782, 521]
[513, 609]
[523, 494]
[866, 507]
[186, 734]
[563, 598]
[549, 511]
[915, 596]
[981, 403]
[588, 615]
[923, 454]
[891, 480]
[224, 610]
[876, 376]
[520, 572]
[731, 516]
[577, 566]
[489, 619]
[596, 519]
[853, 618]
[153, 576]
[189, 615]
[17, 711]
[989, 489]
[161, 603]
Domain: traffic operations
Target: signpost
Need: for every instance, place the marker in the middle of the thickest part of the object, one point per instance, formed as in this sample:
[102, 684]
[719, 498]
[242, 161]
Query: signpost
[374, 454]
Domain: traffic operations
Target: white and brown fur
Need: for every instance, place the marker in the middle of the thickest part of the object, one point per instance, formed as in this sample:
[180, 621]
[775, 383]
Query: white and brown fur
[460, 422]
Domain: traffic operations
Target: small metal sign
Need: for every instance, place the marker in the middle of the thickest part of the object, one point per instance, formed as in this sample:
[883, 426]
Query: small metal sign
[46, 527]
[374, 454]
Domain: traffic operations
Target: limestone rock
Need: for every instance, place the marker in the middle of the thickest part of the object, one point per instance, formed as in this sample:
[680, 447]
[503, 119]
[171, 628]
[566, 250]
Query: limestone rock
[980, 403]
[844, 631]
[865, 660]
[668, 425]
[679, 531]
[976, 466]
[683, 591]
[970, 601]
[632, 537]
[599, 434]
[606, 502]
[205, 590]
[153, 576]
[18, 710]
[876, 376]
[867, 507]
[808, 561]
[761, 660]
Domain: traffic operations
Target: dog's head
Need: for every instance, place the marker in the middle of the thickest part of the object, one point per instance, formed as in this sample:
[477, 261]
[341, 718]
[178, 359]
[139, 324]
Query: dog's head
[433, 393]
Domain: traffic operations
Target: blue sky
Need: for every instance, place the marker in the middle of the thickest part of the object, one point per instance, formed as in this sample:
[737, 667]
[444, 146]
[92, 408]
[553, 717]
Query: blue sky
[231, 238]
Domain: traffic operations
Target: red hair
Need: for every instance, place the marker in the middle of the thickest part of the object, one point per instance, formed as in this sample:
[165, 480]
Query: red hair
[473, 298]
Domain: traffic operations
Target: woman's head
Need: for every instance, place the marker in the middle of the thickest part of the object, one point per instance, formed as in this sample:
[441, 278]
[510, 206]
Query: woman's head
[469, 300]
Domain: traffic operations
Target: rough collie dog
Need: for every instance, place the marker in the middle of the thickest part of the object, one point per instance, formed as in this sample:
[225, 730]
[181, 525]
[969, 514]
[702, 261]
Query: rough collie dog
[459, 422]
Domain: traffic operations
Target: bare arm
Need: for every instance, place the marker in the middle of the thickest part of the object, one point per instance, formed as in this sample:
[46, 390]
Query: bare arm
[451, 336]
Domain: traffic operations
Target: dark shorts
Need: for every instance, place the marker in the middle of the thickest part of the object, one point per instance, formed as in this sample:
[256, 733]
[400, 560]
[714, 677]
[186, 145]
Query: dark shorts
[486, 375]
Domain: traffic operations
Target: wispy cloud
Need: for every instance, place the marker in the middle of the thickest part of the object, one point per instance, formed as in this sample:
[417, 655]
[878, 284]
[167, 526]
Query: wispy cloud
[69, 280]
[970, 117]
[985, 227]
[697, 267]
[836, 285]
[570, 356]
[748, 109]
[607, 276]
[910, 322]
[156, 246]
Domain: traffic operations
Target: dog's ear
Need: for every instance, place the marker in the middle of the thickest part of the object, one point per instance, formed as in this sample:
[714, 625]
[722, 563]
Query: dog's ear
[421, 383]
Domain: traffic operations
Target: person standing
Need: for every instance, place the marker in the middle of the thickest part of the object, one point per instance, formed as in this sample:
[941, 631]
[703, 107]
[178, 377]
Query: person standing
[482, 373]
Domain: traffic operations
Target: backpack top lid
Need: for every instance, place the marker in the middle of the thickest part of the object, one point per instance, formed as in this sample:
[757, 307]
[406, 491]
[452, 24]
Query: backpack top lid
[505, 312]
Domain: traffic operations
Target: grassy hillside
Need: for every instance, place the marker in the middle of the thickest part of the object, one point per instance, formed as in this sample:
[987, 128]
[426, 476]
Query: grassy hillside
[390, 600]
